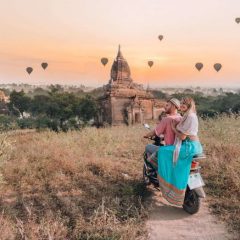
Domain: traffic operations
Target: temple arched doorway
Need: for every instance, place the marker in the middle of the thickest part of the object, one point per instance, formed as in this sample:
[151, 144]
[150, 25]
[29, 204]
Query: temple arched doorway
[137, 118]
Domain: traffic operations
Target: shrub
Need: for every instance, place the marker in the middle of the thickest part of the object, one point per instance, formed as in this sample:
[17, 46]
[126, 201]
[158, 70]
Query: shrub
[7, 122]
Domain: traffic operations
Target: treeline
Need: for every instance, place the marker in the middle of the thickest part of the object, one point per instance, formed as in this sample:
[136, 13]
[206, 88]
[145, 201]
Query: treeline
[209, 106]
[59, 111]
[62, 111]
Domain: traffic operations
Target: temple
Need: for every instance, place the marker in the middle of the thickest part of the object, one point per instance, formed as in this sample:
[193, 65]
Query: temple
[126, 102]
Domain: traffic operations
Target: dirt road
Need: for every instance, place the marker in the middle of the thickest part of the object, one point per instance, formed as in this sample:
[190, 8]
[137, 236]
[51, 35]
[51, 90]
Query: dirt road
[170, 223]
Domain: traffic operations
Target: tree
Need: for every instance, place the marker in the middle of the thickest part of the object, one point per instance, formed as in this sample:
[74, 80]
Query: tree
[188, 91]
[19, 102]
[158, 94]
[56, 88]
[39, 105]
[87, 109]
[228, 102]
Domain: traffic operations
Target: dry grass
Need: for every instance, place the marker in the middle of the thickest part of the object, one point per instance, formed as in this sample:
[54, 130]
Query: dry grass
[221, 138]
[76, 185]
[87, 185]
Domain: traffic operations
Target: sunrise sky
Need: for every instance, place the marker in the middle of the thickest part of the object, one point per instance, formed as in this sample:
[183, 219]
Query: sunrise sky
[73, 35]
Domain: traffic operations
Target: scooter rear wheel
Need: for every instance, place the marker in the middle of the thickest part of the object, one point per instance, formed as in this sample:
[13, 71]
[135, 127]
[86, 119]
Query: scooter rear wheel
[192, 202]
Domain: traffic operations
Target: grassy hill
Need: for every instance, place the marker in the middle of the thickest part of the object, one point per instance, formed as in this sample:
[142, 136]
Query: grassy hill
[87, 184]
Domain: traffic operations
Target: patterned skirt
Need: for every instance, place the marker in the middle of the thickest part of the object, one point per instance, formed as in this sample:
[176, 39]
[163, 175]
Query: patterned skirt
[173, 178]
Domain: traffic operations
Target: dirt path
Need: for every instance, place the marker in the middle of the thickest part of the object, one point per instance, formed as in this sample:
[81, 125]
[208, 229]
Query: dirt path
[170, 223]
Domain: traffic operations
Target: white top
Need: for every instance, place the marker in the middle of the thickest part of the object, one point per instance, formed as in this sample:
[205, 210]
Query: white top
[189, 126]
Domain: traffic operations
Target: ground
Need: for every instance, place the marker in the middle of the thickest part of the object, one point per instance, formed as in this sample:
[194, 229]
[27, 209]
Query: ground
[166, 222]
[88, 185]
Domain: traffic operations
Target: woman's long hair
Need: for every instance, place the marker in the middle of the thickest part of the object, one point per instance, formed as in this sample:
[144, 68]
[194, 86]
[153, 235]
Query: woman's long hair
[191, 107]
[190, 104]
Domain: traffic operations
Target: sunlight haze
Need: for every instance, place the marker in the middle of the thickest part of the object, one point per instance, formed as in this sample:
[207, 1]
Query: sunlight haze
[73, 35]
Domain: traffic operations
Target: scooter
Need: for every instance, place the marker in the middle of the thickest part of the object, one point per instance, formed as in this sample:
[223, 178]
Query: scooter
[194, 191]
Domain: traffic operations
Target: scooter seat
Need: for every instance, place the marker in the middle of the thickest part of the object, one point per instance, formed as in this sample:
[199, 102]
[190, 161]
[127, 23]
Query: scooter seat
[199, 156]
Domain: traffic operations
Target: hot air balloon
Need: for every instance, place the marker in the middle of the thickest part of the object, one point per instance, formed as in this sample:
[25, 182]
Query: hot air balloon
[44, 65]
[104, 61]
[150, 63]
[217, 66]
[160, 37]
[29, 70]
[237, 20]
[199, 66]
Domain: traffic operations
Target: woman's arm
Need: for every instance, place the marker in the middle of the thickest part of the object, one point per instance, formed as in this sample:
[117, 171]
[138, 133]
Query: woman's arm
[180, 135]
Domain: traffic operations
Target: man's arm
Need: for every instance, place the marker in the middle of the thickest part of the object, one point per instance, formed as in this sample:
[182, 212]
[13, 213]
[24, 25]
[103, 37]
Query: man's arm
[161, 127]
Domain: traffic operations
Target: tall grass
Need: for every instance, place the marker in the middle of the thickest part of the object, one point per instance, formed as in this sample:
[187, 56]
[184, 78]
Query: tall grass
[76, 185]
[87, 184]
[5, 149]
[221, 138]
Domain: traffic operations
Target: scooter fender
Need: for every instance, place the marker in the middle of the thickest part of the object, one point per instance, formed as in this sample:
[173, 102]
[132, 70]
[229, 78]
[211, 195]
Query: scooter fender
[200, 192]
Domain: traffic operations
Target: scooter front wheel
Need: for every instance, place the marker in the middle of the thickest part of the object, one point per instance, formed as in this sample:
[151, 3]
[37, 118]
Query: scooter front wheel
[146, 179]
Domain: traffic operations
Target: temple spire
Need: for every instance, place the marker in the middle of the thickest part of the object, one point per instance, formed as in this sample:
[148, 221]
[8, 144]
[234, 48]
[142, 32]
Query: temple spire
[119, 51]
[120, 71]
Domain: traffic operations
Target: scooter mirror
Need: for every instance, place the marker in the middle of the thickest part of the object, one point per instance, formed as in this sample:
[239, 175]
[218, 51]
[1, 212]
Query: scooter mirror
[146, 126]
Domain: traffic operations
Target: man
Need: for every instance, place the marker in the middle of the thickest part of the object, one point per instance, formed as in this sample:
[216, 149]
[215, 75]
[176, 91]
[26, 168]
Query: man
[164, 128]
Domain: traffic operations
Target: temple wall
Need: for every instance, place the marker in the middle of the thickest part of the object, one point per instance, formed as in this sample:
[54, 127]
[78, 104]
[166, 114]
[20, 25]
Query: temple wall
[119, 113]
[148, 109]
[157, 112]
[115, 110]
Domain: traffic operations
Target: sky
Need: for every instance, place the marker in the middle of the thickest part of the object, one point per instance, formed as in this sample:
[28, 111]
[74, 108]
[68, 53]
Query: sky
[73, 35]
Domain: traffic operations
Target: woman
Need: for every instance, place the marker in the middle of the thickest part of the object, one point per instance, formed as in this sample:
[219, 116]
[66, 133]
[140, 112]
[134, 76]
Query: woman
[174, 161]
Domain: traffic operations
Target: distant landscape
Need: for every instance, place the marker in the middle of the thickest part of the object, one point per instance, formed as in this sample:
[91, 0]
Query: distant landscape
[63, 107]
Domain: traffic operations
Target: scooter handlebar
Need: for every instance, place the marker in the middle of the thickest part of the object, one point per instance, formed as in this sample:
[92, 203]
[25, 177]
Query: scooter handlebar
[151, 138]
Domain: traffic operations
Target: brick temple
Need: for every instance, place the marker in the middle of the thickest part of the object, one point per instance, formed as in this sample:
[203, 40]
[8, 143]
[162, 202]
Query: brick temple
[126, 102]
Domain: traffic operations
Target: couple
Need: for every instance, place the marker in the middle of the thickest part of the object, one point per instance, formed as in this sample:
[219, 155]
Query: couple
[173, 161]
